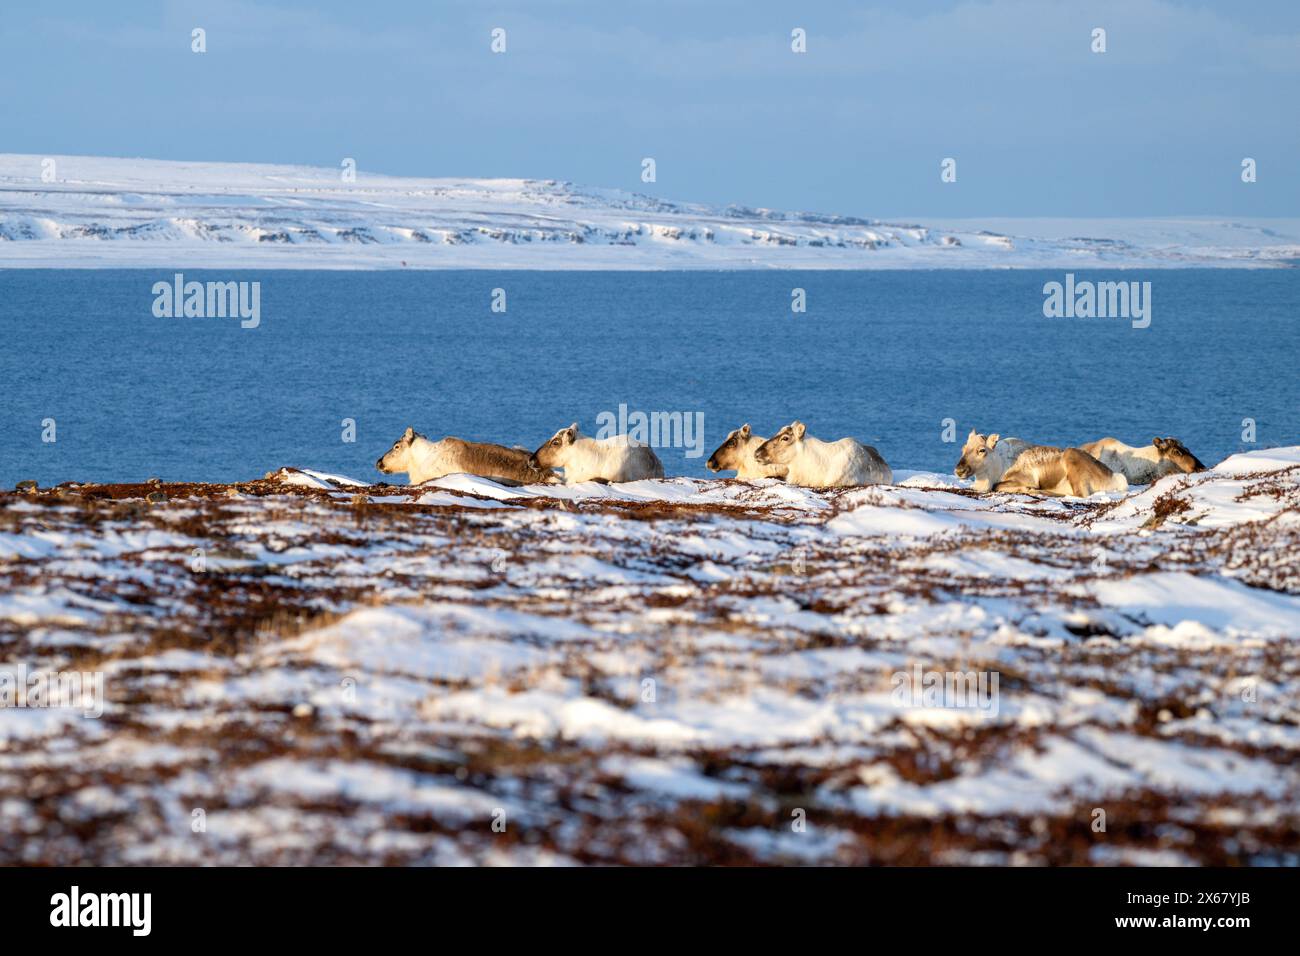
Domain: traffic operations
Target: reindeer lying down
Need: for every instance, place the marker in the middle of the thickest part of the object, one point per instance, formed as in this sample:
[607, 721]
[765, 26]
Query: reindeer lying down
[823, 464]
[1141, 466]
[1012, 466]
[614, 459]
[424, 460]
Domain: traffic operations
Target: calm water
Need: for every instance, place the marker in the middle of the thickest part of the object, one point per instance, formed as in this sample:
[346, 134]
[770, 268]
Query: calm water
[882, 356]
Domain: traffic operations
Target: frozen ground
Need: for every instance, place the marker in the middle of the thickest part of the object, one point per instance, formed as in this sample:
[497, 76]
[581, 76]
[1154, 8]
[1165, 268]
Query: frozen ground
[102, 212]
[672, 671]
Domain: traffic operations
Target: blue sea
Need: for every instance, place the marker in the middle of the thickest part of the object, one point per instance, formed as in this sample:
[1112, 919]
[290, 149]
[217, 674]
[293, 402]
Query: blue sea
[885, 357]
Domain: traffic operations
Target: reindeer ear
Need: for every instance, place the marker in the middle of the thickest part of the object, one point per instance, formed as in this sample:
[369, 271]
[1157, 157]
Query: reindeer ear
[1159, 442]
[408, 434]
[744, 430]
[798, 428]
[993, 440]
[973, 434]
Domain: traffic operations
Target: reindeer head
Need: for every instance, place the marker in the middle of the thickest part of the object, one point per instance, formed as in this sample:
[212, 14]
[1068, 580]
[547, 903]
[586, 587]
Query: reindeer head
[398, 458]
[1176, 453]
[730, 455]
[974, 453]
[783, 447]
[554, 453]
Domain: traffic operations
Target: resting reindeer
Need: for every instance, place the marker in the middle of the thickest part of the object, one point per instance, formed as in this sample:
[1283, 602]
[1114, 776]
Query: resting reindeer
[1013, 466]
[1141, 466]
[737, 454]
[424, 460]
[592, 459]
[822, 464]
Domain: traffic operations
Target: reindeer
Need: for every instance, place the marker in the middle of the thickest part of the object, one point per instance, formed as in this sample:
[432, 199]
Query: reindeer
[1141, 466]
[424, 460]
[589, 459]
[1012, 466]
[819, 464]
[737, 454]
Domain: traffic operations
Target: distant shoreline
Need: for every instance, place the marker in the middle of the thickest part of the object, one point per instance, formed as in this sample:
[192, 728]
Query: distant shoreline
[94, 213]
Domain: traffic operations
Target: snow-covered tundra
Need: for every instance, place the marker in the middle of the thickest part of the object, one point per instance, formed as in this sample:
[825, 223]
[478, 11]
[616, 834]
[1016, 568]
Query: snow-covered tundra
[736, 454]
[617, 458]
[1141, 466]
[1013, 466]
[819, 464]
[423, 460]
[1159, 691]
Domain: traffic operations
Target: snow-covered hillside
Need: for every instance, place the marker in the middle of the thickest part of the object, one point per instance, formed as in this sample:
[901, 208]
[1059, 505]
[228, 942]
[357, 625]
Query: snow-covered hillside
[685, 671]
[100, 212]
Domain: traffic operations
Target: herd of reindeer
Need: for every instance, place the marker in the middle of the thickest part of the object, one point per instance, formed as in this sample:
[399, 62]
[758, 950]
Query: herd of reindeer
[997, 464]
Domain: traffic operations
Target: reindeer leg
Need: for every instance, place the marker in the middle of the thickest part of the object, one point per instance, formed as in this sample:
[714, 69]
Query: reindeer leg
[1006, 487]
[1084, 474]
[1017, 482]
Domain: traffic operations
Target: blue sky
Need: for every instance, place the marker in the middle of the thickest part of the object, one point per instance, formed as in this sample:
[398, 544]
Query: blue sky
[1039, 125]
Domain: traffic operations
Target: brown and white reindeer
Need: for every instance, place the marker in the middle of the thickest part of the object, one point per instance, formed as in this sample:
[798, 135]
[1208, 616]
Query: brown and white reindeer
[424, 460]
[1012, 466]
[1141, 466]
